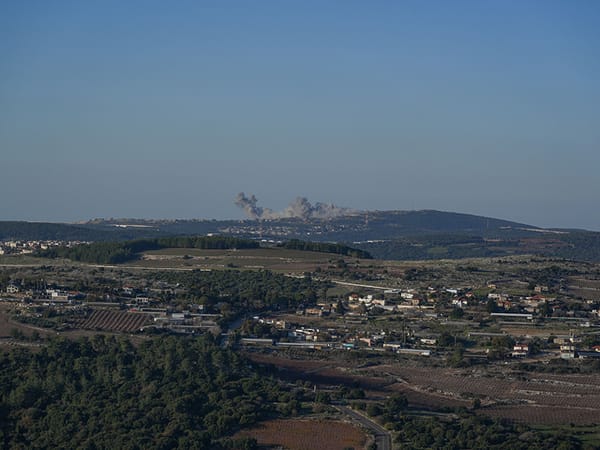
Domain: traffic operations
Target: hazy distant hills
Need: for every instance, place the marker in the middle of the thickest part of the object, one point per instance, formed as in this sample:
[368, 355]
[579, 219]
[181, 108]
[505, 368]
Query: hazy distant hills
[426, 234]
[355, 227]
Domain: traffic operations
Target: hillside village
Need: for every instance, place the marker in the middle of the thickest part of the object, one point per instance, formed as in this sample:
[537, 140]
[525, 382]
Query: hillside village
[28, 247]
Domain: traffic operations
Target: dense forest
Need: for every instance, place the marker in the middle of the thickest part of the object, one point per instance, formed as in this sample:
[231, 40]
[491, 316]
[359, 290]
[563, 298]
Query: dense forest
[105, 393]
[325, 247]
[232, 292]
[189, 393]
[118, 252]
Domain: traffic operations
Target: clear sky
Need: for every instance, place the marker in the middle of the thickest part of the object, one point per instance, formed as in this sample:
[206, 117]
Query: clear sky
[169, 109]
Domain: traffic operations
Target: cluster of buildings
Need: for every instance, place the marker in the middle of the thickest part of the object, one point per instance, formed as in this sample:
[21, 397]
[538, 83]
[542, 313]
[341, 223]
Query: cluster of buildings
[300, 336]
[33, 301]
[16, 247]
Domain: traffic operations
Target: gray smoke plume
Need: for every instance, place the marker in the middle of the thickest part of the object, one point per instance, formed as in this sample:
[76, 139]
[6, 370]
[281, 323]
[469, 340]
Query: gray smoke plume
[248, 204]
[300, 208]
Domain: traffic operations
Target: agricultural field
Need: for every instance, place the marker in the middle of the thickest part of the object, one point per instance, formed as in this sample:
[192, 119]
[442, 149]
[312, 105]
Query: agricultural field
[529, 398]
[105, 320]
[275, 259]
[307, 435]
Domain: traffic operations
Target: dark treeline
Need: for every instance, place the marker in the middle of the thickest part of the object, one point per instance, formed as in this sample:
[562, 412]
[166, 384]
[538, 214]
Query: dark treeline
[105, 393]
[326, 247]
[118, 252]
[232, 292]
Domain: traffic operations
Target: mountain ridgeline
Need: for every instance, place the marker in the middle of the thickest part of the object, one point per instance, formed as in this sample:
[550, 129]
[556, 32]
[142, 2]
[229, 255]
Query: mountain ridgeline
[423, 234]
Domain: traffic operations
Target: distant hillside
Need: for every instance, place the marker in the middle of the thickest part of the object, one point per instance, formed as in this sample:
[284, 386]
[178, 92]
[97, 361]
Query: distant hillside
[356, 227]
[49, 231]
[428, 221]
[426, 234]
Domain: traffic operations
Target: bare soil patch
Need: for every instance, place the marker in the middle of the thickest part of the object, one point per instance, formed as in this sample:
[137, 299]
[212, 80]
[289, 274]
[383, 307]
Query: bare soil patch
[307, 435]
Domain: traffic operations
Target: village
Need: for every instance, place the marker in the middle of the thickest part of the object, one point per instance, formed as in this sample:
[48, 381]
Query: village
[421, 321]
[485, 323]
[28, 247]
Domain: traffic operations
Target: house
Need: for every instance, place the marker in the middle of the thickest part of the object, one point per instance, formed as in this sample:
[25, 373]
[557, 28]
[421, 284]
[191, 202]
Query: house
[313, 312]
[367, 341]
[568, 351]
[414, 351]
[460, 302]
[520, 349]
[588, 355]
[415, 301]
[570, 339]
[12, 289]
[391, 291]
[394, 346]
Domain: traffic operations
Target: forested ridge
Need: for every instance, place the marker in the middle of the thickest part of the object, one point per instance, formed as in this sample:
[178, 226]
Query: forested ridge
[118, 252]
[104, 393]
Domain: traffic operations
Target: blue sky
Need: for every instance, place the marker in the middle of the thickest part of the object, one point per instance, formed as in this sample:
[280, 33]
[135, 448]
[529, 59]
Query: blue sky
[169, 109]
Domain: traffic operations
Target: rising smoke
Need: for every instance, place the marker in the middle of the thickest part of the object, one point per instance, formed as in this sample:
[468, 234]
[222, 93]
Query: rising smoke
[300, 208]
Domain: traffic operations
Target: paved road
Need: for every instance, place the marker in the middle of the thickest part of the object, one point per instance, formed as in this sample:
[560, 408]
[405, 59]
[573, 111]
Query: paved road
[370, 286]
[383, 438]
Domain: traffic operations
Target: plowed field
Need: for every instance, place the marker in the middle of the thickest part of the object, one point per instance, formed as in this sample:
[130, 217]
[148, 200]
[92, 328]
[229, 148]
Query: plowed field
[114, 321]
[307, 435]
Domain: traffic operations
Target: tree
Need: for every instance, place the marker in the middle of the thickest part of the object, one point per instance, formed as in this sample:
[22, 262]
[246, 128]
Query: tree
[456, 358]
[15, 333]
[396, 403]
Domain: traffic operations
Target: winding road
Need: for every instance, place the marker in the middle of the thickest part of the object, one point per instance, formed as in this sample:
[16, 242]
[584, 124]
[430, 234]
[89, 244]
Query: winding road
[383, 438]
